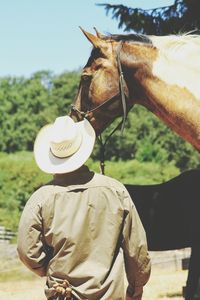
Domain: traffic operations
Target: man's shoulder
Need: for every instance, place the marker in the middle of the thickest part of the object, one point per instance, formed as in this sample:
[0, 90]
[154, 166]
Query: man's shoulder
[40, 195]
[116, 186]
[108, 181]
[43, 190]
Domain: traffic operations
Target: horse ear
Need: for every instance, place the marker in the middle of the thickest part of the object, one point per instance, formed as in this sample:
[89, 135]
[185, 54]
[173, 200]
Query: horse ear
[98, 34]
[95, 40]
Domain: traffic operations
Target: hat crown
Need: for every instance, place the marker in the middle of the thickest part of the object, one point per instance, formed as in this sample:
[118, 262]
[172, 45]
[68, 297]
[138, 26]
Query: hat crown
[64, 129]
[65, 137]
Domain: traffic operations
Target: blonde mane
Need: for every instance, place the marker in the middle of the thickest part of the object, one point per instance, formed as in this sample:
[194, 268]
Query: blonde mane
[179, 61]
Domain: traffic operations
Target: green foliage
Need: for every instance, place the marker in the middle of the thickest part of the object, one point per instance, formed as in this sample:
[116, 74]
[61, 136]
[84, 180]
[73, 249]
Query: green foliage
[182, 16]
[135, 172]
[65, 87]
[19, 177]
[28, 104]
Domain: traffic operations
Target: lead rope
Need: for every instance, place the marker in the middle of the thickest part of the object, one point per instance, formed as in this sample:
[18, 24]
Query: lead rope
[103, 148]
[122, 123]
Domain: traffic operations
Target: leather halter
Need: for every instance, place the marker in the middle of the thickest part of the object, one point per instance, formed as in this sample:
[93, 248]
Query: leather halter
[85, 114]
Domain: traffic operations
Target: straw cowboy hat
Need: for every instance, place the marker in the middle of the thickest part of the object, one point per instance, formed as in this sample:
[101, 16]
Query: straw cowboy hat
[64, 146]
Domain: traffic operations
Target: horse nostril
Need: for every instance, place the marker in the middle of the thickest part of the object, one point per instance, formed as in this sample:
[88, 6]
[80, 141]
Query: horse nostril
[85, 78]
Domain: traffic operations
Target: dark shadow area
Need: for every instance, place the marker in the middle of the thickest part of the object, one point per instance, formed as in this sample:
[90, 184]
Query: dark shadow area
[170, 213]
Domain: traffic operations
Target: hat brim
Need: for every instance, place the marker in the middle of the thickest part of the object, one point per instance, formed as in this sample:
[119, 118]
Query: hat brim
[51, 164]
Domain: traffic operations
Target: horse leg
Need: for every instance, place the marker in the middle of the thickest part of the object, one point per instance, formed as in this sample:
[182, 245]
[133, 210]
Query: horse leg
[193, 274]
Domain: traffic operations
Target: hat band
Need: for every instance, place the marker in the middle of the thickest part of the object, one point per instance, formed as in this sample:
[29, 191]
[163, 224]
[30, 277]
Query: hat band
[66, 148]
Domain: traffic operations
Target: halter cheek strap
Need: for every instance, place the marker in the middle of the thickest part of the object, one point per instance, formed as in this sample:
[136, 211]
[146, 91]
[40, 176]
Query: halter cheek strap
[121, 87]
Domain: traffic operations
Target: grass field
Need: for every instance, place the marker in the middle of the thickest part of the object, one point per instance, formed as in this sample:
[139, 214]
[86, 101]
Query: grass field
[18, 283]
[162, 286]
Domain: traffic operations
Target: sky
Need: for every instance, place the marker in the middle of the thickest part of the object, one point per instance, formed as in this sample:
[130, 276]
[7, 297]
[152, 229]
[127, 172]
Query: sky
[40, 35]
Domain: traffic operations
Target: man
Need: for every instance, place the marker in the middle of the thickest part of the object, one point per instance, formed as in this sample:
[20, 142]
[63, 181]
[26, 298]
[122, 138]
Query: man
[81, 229]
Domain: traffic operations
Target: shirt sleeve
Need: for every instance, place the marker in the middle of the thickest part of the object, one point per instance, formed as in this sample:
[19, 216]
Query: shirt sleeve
[136, 257]
[30, 244]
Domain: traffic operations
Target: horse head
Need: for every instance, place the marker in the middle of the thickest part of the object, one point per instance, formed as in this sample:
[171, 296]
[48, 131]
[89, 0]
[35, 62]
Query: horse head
[99, 94]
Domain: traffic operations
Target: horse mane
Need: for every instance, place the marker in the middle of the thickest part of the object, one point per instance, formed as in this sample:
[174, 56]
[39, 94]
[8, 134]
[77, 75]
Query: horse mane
[133, 37]
[179, 61]
[171, 44]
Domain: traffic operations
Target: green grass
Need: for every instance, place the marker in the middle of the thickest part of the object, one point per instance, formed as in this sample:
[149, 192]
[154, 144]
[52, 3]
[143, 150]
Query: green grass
[135, 172]
[14, 270]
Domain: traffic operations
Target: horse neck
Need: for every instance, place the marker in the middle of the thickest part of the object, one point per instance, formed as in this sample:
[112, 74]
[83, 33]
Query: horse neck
[176, 106]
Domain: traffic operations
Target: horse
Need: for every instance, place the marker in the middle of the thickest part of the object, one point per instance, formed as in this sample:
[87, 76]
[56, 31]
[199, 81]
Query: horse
[160, 73]
[170, 215]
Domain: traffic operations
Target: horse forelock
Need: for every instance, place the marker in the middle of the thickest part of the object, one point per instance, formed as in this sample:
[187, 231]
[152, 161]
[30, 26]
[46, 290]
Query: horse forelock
[178, 61]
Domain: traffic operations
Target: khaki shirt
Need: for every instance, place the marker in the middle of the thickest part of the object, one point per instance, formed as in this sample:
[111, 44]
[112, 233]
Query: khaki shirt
[84, 227]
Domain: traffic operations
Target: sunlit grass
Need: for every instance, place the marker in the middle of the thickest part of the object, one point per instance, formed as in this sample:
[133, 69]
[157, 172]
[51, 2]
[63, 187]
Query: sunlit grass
[14, 270]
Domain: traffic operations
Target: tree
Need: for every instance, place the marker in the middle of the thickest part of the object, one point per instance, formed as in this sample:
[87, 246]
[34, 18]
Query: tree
[182, 16]
[22, 106]
[64, 90]
[27, 104]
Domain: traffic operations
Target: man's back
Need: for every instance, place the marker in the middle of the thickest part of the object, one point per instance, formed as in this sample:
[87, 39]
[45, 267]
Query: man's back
[79, 226]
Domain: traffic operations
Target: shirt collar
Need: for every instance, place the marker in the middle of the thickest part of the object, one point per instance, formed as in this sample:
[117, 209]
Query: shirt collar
[81, 176]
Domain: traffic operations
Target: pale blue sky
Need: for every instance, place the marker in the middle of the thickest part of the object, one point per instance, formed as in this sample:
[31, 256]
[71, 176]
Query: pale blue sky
[44, 34]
